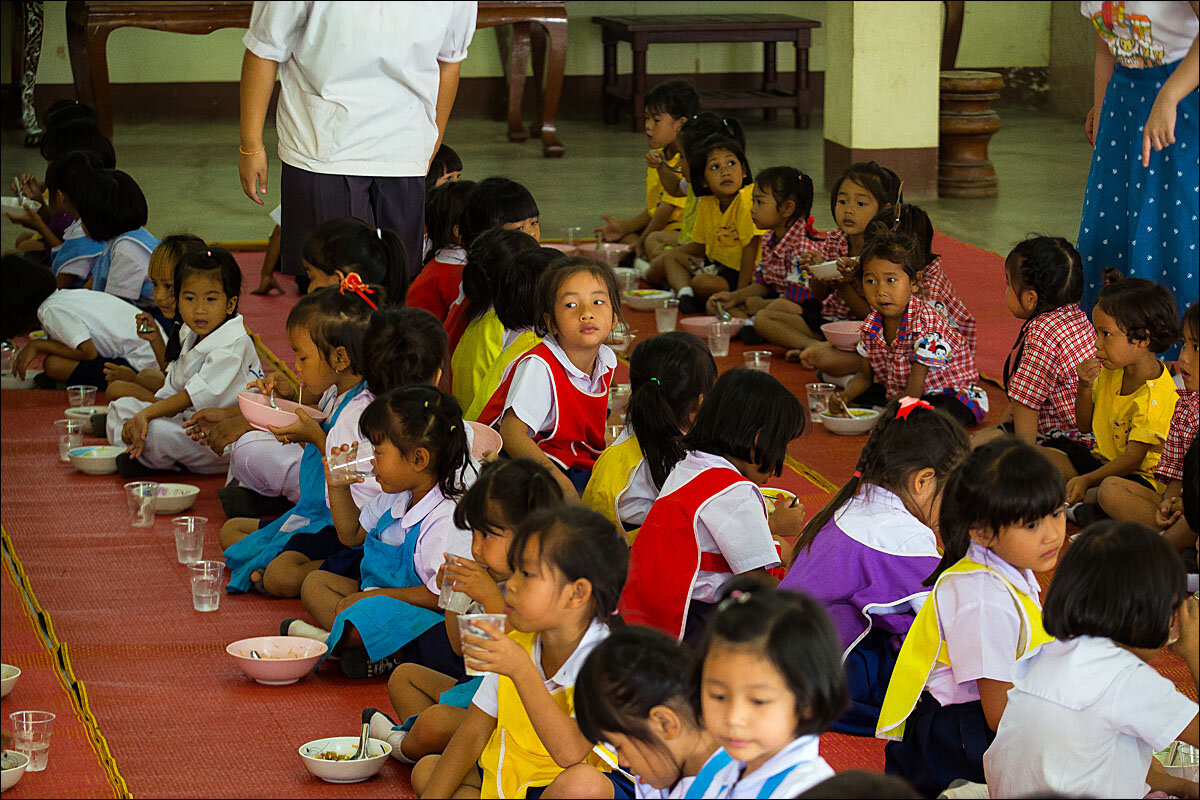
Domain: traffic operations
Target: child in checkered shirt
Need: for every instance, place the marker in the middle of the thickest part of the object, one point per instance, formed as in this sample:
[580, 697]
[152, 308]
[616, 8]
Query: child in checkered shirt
[905, 344]
[1124, 499]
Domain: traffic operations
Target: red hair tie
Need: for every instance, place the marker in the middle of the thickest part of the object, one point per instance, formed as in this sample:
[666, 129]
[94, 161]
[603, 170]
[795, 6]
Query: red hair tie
[858, 474]
[354, 284]
[907, 404]
[808, 227]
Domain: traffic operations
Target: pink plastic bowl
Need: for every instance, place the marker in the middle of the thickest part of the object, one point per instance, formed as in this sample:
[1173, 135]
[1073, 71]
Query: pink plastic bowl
[843, 335]
[256, 408]
[282, 659]
[486, 439]
[567, 249]
[698, 326]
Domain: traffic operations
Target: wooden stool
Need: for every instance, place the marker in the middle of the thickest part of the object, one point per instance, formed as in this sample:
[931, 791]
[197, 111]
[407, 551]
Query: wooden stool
[965, 125]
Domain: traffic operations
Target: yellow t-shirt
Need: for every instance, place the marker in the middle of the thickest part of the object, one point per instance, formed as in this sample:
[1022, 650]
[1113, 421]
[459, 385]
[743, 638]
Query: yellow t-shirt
[656, 195]
[691, 204]
[1144, 416]
[725, 234]
[479, 346]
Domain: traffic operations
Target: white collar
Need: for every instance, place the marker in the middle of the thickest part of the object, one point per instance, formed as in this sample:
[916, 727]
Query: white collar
[1093, 662]
[414, 515]
[451, 255]
[230, 330]
[878, 519]
[596, 632]
[606, 360]
[798, 751]
[1024, 580]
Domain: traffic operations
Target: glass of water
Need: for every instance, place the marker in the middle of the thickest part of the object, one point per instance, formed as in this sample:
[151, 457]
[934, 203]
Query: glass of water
[189, 539]
[467, 626]
[70, 434]
[719, 334]
[666, 315]
[207, 577]
[818, 398]
[450, 598]
[348, 466]
[143, 500]
[31, 736]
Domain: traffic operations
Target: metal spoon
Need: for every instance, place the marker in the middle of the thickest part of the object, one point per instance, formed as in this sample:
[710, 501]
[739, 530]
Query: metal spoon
[271, 398]
[722, 314]
[363, 738]
[254, 654]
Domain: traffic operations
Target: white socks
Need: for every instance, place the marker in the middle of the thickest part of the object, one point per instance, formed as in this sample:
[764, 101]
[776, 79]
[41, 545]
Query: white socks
[299, 627]
[382, 728]
[684, 292]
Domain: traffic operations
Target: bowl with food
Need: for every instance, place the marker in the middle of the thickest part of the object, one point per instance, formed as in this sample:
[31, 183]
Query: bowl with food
[698, 326]
[777, 498]
[8, 678]
[259, 412]
[332, 759]
[843, 334]
[100, 459]
[12, 767]
[175, 497]
[849, 421]
[277, 660]
[645, 299]
[84, 413]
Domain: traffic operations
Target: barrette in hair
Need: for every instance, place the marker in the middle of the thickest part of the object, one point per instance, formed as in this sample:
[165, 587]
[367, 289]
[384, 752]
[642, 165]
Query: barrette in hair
[736, 596]
[427, 404]
[907, 404]
[809, 230]
[208, 253]
[453, 428]
[858, 474]
[353, 283]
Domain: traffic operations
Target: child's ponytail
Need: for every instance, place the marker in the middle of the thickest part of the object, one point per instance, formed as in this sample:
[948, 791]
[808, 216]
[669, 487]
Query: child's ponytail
[348, 244]
[788, 183]
[668, 375]
[1050, 266]
[910, 436]
[909, 220]
[1005, 482]
[421, 416]
[444, 207]
[514, 488]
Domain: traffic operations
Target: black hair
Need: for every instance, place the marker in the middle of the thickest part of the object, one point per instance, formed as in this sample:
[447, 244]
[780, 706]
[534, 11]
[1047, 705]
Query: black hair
[881, 182]
[1142, 310]
[444, 160]
[1191, 321]
[668, 374]
[170, 249]
[677, 98]
[79, 134]
[67, 172]
[706, 124]
[861, 783]
[552, 279]
[402, 347]
[697, 158]
[788, 183]
[347, 244]
[24, 286]
[897, 447]
[1191, 487]
[1005, 482]
[792, 631]
[581, 544]
[110, 203]
[624, 677]
[62, 112]
[897, 248]
[420, 416]
[518, 487]
[444, 207]
[206, 261]
[910, 220]
[494, 202]
[489, 254]
[1051, 267]
[748, 415]
[334, 319]
[516, 282]
[1119, 581]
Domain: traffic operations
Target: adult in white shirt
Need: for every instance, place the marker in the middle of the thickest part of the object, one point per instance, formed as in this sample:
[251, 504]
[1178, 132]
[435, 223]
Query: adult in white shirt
[366, 91]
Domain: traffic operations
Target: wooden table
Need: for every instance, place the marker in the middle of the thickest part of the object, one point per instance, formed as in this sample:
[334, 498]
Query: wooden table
[90, 22]
[770, 29]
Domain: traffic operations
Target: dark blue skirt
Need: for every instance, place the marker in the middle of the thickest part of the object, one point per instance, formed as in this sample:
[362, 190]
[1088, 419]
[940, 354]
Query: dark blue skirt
[941, 744]
[868, 671]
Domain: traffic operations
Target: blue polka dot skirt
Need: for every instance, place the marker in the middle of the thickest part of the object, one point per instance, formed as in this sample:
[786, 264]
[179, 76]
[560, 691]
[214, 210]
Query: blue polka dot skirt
[1142, 220]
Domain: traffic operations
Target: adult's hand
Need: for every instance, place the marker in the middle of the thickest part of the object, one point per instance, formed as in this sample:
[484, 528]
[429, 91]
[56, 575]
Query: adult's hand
[253, 172]
[1089, 126]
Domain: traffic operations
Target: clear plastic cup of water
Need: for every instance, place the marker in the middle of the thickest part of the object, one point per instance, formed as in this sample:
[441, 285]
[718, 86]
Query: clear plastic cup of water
[207, 577]
[759, 360]
[347, 466]
[69, 433]
[7, 351]
[666, 315]
[143, 501]
[572, 234]
[719, 334]
[468, 626]
[818, 398]
[618, 398]
[81, 395]
[31, 736]
[189, 539]
[614, 432]
[450, 598]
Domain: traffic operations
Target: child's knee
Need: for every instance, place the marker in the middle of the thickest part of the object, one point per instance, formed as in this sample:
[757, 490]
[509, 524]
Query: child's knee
[312, 586]
[421, 773]
[580, 780]
[283, 576]
[236, 529]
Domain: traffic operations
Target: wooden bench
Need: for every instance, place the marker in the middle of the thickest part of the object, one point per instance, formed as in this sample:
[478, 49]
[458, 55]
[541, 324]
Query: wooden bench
[770, 29]
[89, 22]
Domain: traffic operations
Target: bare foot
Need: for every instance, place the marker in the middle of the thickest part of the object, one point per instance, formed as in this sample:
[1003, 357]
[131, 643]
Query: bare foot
[268, 285]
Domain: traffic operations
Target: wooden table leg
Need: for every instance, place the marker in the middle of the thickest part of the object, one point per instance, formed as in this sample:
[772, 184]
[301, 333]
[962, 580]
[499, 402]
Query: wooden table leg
[77, 46]
[803, 99]
[88, 46]
[518, 58]
[556, 63]
[637, 99]
[608, 103]
[770, 81]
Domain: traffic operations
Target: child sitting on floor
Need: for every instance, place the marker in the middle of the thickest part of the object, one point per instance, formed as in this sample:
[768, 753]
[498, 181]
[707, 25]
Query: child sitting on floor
[553, 405]
[866, 554]
[438, 283]
[73, 254]
[1087, 711]
[216, 359]
[337, 247]
[113, 210]
[665, 110]
[1001, 519]
[446, 167]
[431, 704]
[710, 521]
[568, 567]
[669, 375]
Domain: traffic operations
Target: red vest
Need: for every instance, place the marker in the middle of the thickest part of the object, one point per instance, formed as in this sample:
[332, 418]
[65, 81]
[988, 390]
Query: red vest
[577, 437]
[455, 323]
[666, 559]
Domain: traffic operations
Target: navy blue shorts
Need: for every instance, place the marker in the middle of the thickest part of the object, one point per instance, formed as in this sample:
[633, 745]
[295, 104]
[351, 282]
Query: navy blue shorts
[324, 546]
[940, 745]
[91, 373]
[868, 671]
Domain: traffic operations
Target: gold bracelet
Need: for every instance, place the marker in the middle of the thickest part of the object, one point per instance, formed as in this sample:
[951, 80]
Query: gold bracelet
[256, 152]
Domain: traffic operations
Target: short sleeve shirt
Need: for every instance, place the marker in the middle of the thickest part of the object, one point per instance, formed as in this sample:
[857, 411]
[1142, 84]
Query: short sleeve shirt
[73, 316]
[1143, 416]
[780, 262]
[531, 393]
[128, 269]
[836, 246]
[213, 370]
[725, 234]
[1180, 437]
[1052, 347]
[925, 337]
[655, 194]
[1143, 34]
[937, 290]
[437, 534]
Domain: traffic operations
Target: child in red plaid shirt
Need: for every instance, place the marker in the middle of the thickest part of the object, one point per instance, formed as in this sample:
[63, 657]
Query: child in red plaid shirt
[1124, 499]
[906, 345]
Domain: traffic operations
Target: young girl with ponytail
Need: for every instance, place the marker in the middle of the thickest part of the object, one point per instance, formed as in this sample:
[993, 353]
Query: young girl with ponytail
[340, 246]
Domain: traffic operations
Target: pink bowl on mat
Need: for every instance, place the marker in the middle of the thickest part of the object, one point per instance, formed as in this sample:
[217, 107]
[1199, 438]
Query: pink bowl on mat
[282, 659]
[256, 408]
[844, 334]
[485, 440]
[567, 249]
[698, 326]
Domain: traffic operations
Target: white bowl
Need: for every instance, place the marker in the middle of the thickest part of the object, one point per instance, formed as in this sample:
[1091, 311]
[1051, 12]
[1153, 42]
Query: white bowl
[8, 678]
[256, 408]
[825, 271]
[84, 412]
[862, 420]
[484, 440]
[13, 382]
[100, 459]
[645, 299]
[175, 497]
[14, 767]
[284, 659]
[344, 771]
[843, 334]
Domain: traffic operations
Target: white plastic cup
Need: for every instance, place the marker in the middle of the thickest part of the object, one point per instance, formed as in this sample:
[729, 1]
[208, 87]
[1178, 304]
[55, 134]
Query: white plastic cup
[666, 315]
[347, 466]
[818, 399]
[718, 338]
[207, 577]
[467, 626]
[69, 433]
[758, 359]
[450, 598]
[572, 234]
[80, 395]
[143, 501]
[31, 736]
[189, 539]
[7, 351]
[614, 431]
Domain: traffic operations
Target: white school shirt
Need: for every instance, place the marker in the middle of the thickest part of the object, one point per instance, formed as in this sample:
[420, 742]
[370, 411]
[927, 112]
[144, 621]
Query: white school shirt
[72, 316]
[634, 501]
[1083, 719]
[79, 267]
[644, 791]
[531, 393]
[801, 755]
[345, 431]
[487, 696]
[438, 535]
[732, 523]
[359, 80]
[981, 626]
[128, 268]
[213, 370]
